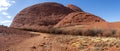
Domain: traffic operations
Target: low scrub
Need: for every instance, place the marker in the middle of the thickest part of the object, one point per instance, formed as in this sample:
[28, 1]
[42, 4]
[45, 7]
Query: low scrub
[93, 32]
[88, 32]
[58, 31]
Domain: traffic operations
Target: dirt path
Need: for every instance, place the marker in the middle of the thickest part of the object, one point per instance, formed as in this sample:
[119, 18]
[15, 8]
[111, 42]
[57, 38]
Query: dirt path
[28, 44]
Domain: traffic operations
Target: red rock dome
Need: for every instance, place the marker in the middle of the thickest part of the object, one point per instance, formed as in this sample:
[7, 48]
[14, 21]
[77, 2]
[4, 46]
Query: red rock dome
[40, 16]
[79, 18]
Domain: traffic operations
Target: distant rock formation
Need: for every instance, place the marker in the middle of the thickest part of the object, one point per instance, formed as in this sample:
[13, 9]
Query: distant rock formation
[79, 18]
[49, 14]
[40, 16]
[75, 8]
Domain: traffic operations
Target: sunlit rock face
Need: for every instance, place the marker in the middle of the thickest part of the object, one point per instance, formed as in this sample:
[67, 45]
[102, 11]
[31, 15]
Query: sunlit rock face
[79, 18]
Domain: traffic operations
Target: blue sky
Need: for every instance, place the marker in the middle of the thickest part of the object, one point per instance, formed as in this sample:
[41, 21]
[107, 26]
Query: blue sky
[106, 9]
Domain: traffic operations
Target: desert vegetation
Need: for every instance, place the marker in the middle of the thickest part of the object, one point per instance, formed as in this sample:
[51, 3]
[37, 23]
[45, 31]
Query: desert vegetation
[87, 32]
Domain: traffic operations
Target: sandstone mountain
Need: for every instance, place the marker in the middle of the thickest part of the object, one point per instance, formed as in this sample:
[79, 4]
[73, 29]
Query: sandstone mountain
[47, 15]
[40, 16]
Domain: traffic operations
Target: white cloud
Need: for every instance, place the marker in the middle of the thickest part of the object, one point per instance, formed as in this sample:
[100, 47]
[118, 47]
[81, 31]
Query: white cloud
[4, 3]
[8, 16]
[13, 2]
[4, 13]
[4, 6]
[5, 21]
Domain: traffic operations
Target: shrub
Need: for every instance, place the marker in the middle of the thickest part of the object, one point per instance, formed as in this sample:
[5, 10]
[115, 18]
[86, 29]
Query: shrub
[93, 32]
[26, 29]
[89, 32]
[56, 31]
[43, 30]
[75, 32]
[113, 31]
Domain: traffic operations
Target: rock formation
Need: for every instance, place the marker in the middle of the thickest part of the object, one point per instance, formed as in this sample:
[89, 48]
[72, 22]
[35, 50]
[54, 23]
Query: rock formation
[40, 16]
[79, 18]
[47, 15]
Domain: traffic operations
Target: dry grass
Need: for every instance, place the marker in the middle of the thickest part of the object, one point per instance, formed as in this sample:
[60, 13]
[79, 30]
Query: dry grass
[87, 43]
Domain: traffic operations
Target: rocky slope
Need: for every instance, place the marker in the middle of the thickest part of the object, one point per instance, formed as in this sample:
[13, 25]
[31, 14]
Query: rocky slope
[79, 18]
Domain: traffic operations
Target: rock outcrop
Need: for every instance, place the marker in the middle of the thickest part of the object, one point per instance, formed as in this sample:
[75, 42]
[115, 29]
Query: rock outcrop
[79, 18]
[40, 16]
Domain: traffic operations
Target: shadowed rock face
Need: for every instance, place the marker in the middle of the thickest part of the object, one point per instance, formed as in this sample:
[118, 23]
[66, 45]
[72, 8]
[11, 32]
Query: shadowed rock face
[75, 8]
[40, 15]
[79, 18]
